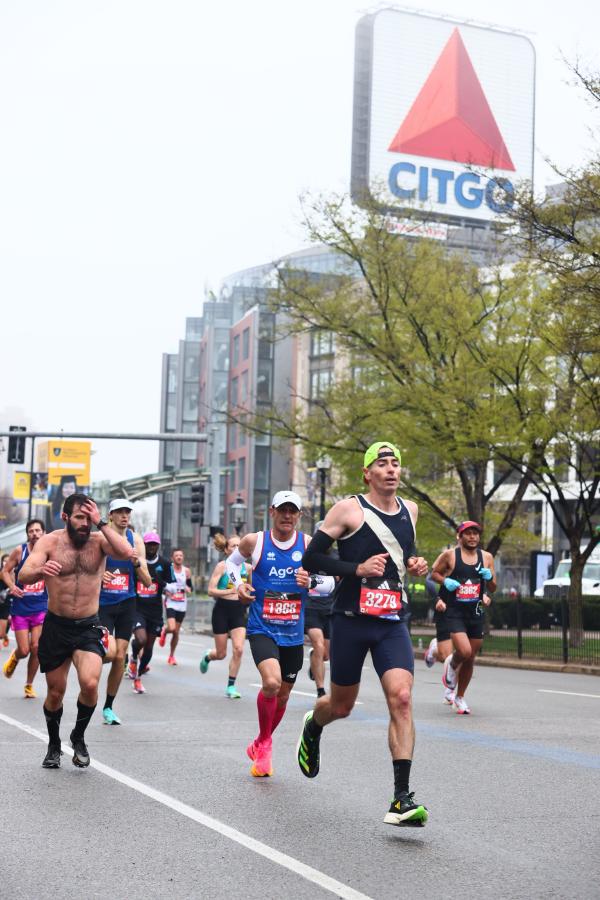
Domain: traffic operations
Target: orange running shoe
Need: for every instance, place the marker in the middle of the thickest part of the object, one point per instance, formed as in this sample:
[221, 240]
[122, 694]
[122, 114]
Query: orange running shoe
[163, 637]
[171, 661]
[10, 665]
[29, 692]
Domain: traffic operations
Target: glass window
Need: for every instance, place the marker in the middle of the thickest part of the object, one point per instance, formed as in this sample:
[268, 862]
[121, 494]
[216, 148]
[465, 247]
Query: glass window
[261, 468]
[222, 350]
[263, 381]
[320, 381]
[170, 454]
[220, 390]
[246, 343]
[232, 437]
[190, 402]
[191, 371]
[171, 422]
[242, 437]
[172, 375]
[233, 398]
[322, 343]
[244, 387]
[236, 350]
[241, 474]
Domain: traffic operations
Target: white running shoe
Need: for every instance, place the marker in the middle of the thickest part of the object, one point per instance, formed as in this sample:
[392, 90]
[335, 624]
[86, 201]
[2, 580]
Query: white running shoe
[448, 696]
[449, 674]
[460, 706]
[430, 653]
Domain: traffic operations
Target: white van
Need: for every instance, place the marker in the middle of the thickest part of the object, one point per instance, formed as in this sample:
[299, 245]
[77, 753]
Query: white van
[590, 581]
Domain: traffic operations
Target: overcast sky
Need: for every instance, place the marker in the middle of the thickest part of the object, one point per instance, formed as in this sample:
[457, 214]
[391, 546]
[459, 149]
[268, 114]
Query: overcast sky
[149, 149]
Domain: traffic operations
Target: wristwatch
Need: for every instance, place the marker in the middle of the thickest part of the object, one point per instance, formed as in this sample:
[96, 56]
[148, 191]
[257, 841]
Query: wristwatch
[101, 523]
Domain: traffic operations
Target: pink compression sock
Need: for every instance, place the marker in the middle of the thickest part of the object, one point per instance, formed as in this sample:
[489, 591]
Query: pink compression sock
[279, 714]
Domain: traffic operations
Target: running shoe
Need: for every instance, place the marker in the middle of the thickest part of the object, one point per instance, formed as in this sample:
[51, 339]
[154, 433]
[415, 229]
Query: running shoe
[52, 757]
[252, 750]
[81, 757]
[430, 653]
[5, 642]
[405, 812]
[232, 692]
[460, 706]
[449, 674]
[110, 717]
[448, 696]
[163, 637]
[10, 665]
[132, 671]
[310, 671]
[307, 750]
[171, 661]
[138, 687]
[262, 767]
[204, 662]
[29, 692]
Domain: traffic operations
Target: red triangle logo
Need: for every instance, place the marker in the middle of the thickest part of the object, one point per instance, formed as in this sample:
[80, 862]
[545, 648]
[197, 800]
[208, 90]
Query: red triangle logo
[451, 118]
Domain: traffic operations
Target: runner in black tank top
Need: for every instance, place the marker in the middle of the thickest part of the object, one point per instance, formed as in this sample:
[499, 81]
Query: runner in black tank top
[466, 574]
[375, 535]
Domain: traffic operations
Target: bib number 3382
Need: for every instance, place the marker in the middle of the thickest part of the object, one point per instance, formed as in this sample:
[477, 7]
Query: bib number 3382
[379, 602]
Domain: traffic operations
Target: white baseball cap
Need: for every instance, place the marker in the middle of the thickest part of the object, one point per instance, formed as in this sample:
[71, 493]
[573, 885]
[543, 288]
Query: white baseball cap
[120, 503]
[282, 497]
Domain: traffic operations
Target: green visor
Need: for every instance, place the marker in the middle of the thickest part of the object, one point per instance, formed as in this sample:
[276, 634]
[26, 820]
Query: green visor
[386, 448]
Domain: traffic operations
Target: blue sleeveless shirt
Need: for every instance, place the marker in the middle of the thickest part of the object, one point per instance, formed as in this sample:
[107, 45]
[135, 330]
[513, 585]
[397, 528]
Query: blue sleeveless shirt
[124, 583]
[35, 598]
[278, 607]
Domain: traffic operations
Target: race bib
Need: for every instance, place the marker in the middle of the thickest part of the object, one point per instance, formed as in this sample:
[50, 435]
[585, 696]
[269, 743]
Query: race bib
[37, 588]
[150, 591]
[278, 607]
[468, 593]
[119, 583]
[178, 596]
[379, 601]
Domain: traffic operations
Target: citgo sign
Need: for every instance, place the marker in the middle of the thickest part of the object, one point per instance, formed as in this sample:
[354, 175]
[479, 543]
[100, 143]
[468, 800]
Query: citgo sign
[443, 115]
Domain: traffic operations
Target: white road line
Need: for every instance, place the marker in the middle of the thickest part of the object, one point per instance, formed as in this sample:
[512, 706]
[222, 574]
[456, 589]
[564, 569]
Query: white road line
[569, 693]
[303, 693]
[281, 859]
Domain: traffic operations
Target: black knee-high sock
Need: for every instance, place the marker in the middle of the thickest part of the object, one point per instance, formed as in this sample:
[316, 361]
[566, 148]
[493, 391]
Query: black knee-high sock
[145, 659]
[53, 718]
[135, 648]
[84, 714]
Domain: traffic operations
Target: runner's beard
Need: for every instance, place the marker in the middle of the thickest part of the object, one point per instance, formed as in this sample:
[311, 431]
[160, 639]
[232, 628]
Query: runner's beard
[78, 536]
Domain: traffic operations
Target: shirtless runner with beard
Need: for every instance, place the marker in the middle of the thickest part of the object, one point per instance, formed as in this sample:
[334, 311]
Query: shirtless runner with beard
[71, 561]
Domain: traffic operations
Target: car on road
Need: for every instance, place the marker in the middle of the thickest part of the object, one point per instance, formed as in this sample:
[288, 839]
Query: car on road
[561, 578]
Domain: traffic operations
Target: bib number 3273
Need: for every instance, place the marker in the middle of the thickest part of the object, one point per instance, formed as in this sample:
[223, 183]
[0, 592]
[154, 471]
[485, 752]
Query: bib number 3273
[379, 602]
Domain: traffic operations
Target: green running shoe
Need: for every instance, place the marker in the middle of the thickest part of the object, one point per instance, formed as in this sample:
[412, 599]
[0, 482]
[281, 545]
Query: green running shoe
[204, 663]
[232, 692]
[405, 812]
[307, 750]
[110, 717]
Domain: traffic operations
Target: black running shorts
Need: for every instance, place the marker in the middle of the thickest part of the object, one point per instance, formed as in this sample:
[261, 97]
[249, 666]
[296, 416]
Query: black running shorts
[352, 637]
[149, 617]
[317, 618]
[4, 609]
[290, 658]
[177, 614]
[61, 637]
[119, 618]
[441, 626]
[227, 615]
[466, 618]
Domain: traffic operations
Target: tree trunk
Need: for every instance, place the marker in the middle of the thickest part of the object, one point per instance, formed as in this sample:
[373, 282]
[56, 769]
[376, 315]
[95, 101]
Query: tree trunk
[576, 634]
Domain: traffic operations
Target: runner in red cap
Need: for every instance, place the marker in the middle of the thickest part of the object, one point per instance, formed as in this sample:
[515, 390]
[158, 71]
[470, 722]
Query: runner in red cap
[149, 610]
[466, 575]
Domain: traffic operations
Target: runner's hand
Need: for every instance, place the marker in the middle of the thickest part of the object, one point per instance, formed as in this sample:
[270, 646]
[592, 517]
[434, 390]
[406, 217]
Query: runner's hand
[91, 510]
[485, 573]
[302, 578]
[372, 567]
[440, 606]
[416, 565]
[107, 578]
[487, 600]
[246, 593]
[51, 567]
[17, 591]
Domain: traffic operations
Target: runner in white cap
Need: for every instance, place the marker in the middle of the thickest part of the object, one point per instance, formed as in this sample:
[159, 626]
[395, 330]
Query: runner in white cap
[149, 610]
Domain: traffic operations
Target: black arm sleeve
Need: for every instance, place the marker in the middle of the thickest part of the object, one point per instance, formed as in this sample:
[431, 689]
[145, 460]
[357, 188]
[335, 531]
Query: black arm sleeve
[316, 558]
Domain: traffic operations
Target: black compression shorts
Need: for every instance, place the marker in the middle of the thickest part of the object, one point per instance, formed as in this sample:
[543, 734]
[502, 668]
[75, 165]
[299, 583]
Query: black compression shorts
[290, 658]
[227, 615]
[119, 618]
[61, 637]
[466, 618]
[148, 618]
[352, 637]
[441, 626]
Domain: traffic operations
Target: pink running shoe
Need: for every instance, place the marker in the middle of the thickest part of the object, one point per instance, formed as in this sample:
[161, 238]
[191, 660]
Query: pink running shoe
[263, 767]
[163, 637]
[461, 707]
[171, 661]
[252, 750]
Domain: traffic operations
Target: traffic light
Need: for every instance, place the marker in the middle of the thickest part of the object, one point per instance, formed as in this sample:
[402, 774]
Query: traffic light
[197, 507]
[16, 446]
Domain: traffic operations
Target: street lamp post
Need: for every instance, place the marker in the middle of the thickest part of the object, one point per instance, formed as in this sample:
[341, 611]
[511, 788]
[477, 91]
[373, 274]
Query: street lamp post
[238, 511]
[323, 466]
